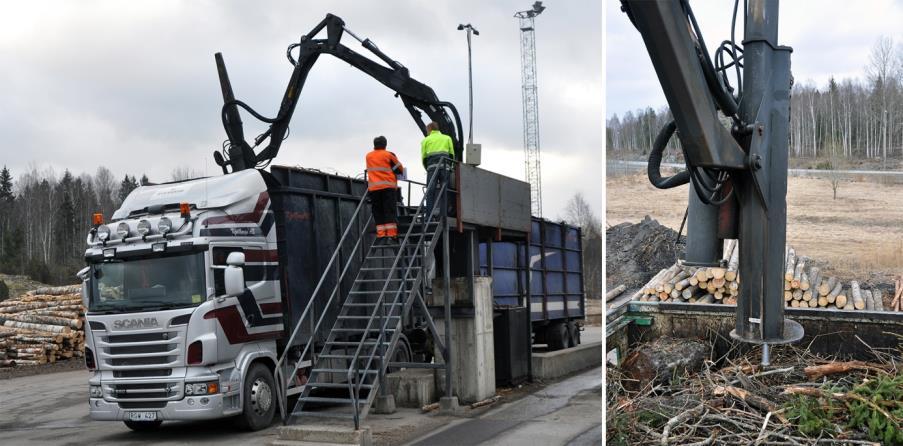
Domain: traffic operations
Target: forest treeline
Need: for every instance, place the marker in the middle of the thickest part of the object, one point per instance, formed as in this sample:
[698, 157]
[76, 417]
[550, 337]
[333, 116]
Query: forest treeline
[846, 121]
[45, 219]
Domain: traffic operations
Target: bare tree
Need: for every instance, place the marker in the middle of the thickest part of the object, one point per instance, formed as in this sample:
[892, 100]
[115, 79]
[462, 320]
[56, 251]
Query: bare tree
[183, 173]
[579, 213]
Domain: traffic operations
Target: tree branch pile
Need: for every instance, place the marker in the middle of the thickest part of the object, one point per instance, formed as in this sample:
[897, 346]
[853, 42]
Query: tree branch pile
[805, 286]
[42, 326]
[801, 399]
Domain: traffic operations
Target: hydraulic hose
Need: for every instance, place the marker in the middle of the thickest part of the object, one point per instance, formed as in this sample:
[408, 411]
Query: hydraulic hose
[654, 167]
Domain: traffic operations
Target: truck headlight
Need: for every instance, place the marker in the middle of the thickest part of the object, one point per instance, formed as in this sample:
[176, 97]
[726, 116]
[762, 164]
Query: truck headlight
[103, 233]
[96, 392]
[122, 230]
[206, 388]
[144, 227]
[164, 225]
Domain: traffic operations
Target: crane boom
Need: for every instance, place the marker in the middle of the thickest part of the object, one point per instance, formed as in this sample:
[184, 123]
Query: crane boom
[417, 98]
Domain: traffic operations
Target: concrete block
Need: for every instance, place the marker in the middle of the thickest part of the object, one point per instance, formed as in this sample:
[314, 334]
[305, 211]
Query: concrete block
[319, 433]
[549, 365]
[449, 406]
[412, 388]
[473, 351]
[384, 404]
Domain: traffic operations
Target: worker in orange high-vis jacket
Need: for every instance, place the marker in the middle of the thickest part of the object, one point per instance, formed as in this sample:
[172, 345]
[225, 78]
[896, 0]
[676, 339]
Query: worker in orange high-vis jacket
[383, 169]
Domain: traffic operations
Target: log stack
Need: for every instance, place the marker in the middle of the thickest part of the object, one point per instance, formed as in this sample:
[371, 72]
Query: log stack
[805, 285]
[42, 326]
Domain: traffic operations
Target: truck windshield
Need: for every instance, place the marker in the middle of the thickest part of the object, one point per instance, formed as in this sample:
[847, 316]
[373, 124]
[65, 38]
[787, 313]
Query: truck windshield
[147, 284]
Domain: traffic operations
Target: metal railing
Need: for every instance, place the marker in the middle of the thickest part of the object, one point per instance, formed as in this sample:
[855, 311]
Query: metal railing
[283, 382]
[355, 380]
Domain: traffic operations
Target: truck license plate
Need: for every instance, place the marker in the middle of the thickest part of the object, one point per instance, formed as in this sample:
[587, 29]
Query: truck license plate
[142, 416]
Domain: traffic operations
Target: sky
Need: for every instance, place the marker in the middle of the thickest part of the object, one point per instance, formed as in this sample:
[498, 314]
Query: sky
[133, 85]
[829, 37]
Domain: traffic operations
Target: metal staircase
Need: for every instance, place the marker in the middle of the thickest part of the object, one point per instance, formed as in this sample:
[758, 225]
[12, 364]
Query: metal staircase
[350, 366]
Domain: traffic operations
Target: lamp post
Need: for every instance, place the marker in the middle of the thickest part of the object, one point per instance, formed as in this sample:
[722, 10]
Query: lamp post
[470, 30]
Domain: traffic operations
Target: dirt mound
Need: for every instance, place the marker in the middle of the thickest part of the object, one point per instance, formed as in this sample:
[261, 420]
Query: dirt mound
[636, 252]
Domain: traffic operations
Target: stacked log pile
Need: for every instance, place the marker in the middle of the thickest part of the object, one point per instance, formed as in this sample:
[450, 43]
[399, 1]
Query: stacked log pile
[681, 283]
[42, 326]
[805, 286]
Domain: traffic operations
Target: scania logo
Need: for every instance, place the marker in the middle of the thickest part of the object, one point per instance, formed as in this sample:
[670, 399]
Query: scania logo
[148, 322]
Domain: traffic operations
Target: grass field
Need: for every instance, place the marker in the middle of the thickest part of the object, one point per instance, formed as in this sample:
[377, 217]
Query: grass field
[860, 234]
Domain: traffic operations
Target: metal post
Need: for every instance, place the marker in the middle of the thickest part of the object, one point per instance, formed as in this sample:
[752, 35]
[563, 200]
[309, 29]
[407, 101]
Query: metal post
[766, 104]
[529, 304]
[446, 273]
[469, 87]
[470, 31]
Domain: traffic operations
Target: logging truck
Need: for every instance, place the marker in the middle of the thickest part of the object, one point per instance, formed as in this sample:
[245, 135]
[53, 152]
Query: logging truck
[192, 286]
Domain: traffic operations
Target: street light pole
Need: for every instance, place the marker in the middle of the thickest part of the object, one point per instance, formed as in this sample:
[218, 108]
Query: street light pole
[470, 30]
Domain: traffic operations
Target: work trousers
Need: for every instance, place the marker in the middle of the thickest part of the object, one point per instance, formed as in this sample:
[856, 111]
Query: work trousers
[440, 165]
[383, 206]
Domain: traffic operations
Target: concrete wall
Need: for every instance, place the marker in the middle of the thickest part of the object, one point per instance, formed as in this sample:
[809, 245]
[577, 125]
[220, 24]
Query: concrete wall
[473, 354]
[556, 364]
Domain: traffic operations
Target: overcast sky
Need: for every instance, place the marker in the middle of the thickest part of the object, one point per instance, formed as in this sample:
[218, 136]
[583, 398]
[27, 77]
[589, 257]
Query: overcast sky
[829, 37]
[133, 85]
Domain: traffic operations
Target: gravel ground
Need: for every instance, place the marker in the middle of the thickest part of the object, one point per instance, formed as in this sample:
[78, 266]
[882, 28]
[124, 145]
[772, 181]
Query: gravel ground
[66, 365]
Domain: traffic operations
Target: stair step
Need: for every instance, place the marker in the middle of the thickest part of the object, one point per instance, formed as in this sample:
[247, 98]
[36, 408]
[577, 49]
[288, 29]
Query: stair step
[360, 330]
[368, 304]
[320, 399]
[337, 385]
[387, 316]
[383, 280]
[355, 344]
[360, 372]
[360, 357]
[317, 414]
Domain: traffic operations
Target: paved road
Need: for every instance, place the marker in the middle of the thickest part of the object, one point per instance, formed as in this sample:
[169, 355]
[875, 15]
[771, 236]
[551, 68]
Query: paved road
[566, 413]
[53, 410]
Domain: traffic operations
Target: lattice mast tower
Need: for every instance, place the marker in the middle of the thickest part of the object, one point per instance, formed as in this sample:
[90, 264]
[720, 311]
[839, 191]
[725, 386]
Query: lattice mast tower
[531, 104]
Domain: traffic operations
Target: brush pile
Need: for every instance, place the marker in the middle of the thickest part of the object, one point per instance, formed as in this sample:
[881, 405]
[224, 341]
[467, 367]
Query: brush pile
[42, 326]
[805, 286]
[800, 399]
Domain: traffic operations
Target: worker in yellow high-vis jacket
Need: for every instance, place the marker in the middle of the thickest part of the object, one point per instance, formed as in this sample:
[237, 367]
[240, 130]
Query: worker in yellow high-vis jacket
[437, 151]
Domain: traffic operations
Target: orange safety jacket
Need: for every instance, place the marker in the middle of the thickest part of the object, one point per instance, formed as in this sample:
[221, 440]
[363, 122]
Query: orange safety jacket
[381, 168]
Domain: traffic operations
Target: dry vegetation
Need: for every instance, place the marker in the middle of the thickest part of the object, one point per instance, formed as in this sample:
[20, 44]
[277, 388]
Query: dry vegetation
[858, 234]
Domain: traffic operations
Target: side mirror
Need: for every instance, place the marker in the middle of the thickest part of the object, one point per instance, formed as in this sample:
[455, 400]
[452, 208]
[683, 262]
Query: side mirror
[234, 276]
[84, 275]
[236, 258]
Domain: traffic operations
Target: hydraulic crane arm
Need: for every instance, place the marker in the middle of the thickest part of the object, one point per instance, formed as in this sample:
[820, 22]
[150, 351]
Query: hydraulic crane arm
[738, 174]
[416, 97]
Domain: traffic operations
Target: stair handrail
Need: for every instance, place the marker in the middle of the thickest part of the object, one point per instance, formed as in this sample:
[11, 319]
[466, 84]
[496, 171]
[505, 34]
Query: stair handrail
[353, 368]
[283, 382]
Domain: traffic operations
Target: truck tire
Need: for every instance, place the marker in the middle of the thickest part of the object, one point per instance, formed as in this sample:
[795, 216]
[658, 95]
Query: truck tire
[143, 426]
[557, 336]
[259, 406]
[573, 334]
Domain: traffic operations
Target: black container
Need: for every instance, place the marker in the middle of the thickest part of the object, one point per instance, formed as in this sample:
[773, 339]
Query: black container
[512, 349]
[312, 209]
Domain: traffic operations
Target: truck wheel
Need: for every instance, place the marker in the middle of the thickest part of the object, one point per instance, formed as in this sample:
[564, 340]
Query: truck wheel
[557, 336]
[259, 406]
[573, 334]
[143, 426]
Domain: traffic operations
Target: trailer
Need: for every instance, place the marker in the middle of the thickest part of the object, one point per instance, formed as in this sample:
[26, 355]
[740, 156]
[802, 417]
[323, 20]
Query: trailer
[554, 287]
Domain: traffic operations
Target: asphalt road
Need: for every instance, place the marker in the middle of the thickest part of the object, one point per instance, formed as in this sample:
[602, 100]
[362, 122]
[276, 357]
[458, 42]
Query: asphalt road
[53, 410]
[565, 413]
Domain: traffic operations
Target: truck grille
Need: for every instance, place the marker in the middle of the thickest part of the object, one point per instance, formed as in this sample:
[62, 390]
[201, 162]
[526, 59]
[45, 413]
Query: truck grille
[152, 352]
